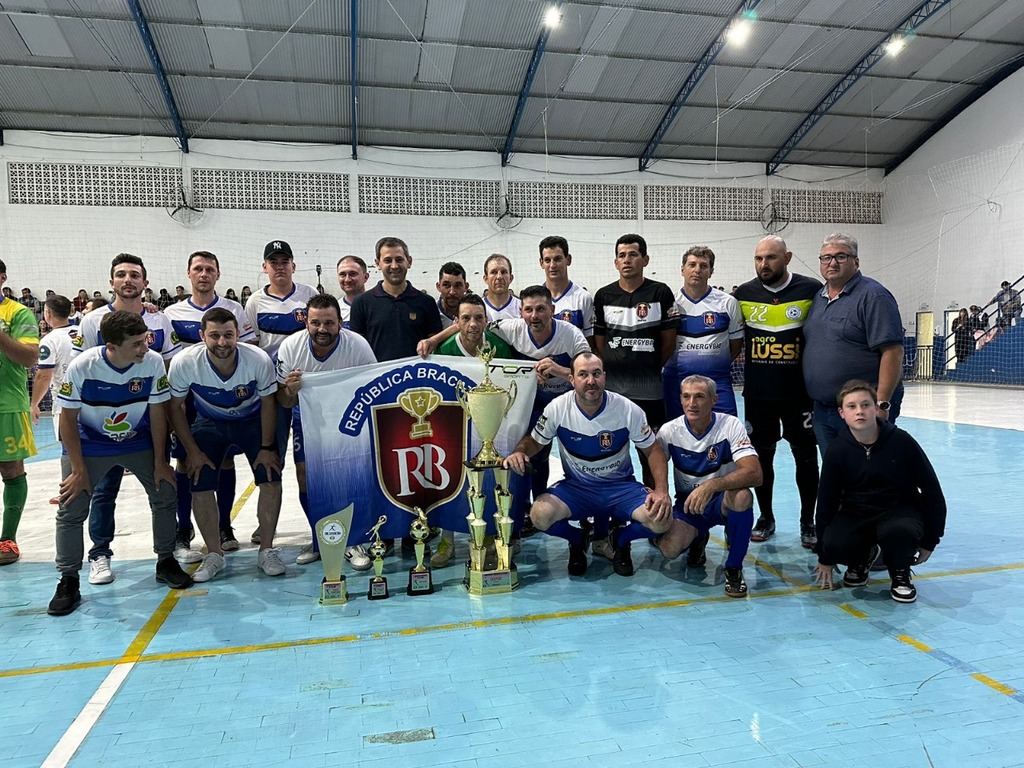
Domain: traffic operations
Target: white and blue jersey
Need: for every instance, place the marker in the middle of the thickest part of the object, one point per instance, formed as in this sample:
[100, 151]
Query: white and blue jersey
[576, 306]
[346, 311]
[594, 448]
[698, 458]
[566, 342]
[187, 319]
[216, 398]
[706, 326]
[275, 319]
[507, 311]
[160, 335]
[55, 353]
[113, 403]
[296, 354]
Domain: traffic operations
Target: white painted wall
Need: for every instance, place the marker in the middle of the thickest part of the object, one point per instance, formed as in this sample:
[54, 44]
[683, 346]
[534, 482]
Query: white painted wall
[954, 211]
[70, 247]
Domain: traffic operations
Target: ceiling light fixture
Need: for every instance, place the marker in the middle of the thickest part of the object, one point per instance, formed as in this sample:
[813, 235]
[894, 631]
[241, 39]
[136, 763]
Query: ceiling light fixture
[739, 32]
[895, 45]
[552, 17]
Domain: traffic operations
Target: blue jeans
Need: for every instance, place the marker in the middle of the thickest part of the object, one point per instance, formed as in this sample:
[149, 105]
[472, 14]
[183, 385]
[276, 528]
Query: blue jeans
[101, 513]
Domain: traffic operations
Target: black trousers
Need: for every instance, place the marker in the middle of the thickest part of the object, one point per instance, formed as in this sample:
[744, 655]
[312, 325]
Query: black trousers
[849, 537]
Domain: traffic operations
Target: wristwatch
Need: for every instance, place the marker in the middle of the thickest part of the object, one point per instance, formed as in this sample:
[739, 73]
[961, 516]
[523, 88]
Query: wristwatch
[884, 405]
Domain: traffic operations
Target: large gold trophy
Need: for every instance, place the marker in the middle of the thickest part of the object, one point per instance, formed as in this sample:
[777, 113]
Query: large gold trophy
[487, 405]
[332, 535]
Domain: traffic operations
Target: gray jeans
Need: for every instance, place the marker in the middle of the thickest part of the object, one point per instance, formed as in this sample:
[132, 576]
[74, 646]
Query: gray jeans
[70, 518]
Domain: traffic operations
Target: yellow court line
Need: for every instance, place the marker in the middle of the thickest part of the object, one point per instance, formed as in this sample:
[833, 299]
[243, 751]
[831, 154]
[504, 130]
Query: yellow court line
[914, 643]
[137, 648]
[994, 684]
[145, 636]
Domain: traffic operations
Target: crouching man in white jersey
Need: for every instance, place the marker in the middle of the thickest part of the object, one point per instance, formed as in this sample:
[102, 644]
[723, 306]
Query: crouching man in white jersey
[715, 467]
[594, 429]
[233, 388]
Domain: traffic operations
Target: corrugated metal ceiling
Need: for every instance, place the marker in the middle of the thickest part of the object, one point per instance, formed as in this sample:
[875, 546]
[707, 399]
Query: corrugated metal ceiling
[448, 73]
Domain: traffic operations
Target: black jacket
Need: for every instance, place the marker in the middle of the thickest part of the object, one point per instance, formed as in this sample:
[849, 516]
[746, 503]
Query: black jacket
[868, 481]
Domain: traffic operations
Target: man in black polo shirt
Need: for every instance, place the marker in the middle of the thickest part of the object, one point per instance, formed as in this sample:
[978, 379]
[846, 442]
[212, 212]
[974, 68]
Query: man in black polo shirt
[394, 316]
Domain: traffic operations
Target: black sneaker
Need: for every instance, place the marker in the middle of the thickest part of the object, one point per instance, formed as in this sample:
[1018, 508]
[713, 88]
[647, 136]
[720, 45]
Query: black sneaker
[577, 560]
[169, 572]
[587, 527]
[528, 529]
[735, 586]
[67, 597]
[623, 562]
[228, 542]
[695, 555]
[859, 575]
[808, 537]
[902, 589]
[763, 530]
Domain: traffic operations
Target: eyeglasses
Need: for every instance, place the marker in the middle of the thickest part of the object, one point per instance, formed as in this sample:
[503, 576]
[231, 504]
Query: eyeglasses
[841, 258]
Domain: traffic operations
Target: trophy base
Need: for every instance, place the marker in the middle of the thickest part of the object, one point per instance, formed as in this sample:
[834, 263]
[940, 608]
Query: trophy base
[333, 592]
[420, 583]
[378, 589]
[493, 582]
[482, 464]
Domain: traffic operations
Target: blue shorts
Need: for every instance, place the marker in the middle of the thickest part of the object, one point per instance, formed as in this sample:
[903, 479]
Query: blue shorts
[708, 519]
[217, 438]
[616, 498]
[298, 445]
[177, 447]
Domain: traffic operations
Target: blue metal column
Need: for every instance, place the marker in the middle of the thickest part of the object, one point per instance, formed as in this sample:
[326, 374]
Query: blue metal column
[909, 24]
[158, 70]
[354, 46]
[688, 87]
[524, 92]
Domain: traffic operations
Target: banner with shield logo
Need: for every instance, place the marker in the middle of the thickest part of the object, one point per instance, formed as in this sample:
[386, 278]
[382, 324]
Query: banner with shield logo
[392, 437]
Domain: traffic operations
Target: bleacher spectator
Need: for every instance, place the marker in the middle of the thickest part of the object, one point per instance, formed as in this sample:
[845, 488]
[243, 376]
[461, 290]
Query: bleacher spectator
[1008, 302]
[79, 302]
[164, 300]
[246, 293]
[30, 301]
[230, 294]
[963, 336]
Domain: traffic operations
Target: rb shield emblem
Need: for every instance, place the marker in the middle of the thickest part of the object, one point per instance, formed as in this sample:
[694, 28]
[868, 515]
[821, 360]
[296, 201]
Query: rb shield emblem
[415, 469]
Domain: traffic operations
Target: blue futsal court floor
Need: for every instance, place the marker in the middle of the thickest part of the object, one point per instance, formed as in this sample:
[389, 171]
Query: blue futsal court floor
[658, 669]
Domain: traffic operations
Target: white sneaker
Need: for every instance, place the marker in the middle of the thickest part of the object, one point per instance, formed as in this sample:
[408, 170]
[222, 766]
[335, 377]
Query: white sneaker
[183, 553]
[212, 565]
[270, 562]
[307, 555]
[357, 558]
[99, 571]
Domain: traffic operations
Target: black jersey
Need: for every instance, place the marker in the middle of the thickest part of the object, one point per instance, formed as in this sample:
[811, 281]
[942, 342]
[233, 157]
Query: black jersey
[773, 339]
[631, 324]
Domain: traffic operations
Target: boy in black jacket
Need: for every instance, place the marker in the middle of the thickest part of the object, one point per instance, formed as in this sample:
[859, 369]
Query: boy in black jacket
[877, 489]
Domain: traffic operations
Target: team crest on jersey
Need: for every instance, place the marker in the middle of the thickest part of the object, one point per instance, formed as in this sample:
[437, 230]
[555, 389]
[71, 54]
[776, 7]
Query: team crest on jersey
[413, 316]
[135, 386]
[643, 310]
[604, 439]
[66, 389]
[709, 319]
[566, 316]
[793, 312]
[78, 341]
[44, 353]
[241, 392]
[713, 453]
[117, 427]
[420, 442]
[300, 315]
[150, 339]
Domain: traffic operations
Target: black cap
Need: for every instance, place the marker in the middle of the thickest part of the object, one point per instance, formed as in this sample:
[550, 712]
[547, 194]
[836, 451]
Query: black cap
[277, 246]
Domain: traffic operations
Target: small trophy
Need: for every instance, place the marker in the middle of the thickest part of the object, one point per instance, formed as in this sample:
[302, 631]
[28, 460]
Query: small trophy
[421, 580]
[332, 534]
[378, 584]
[487, 405]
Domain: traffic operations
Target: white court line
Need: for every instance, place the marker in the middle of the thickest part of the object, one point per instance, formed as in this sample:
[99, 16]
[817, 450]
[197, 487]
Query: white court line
[76, 733]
